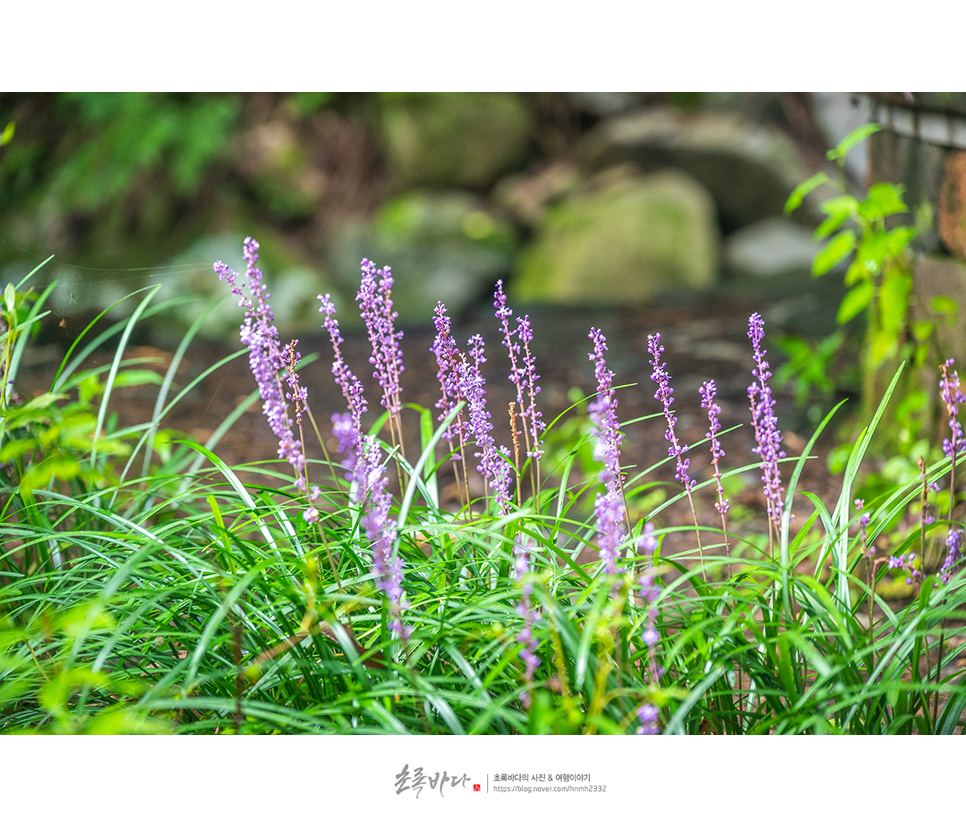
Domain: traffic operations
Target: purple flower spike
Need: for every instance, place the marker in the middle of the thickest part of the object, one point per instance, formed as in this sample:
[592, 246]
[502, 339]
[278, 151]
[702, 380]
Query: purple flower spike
[362, 458]
[648, 542]
[648, 715]
[765, 423]
[649, 592]
[660, 375]
[269, 362]
[864, 519]
[537, 426]
[608, 505]
[907, 562]
[603, 414]
[351, 387]
[954, 555]
[609, 510]
[708, 391]
[447, 362]
[521, 549]
[953, 397]
[375, 306]
[493, 465]
[522, 371]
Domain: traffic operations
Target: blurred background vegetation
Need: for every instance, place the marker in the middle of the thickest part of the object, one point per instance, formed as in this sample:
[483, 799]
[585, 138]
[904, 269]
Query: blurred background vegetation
[600, 199]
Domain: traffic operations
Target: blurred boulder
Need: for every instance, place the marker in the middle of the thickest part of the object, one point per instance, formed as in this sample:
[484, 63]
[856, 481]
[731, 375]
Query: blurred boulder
[454, 139]
[769, 248]
[525, 196]
[448, 247]
[606, 104]
[749, 169]
[625, 240]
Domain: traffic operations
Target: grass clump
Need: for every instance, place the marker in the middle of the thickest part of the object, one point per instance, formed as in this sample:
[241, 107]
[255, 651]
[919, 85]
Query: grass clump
[146, 586]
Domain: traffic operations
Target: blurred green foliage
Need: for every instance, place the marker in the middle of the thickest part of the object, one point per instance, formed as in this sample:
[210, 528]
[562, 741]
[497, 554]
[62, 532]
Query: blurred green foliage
[112, 177]
[865, 232]
[87, 149]
[142, 134]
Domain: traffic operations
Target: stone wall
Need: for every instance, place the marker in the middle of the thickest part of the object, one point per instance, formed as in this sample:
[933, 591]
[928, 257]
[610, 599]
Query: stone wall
[923, 146]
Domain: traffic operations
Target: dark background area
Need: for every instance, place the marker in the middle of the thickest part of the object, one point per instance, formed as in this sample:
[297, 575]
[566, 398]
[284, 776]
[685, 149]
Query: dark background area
[453, 190]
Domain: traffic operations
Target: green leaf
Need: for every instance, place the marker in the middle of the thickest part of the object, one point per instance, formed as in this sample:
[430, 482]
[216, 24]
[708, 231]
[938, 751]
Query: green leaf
[854, 138]
[128, 379]
[856, 272]
[43, 402]
[883, 345]
[85, 618]
[884, 199]
[829, 225]
[910, 404]
[839, 209]
[872, 252]
[952, 713]
[943, 305]
[894, 302]
[16, 448]
[7, 135]
[52, 468]
[843, 204]
[804, 189]
[900, 238]
[836, 250]
[53, 696]
[922, 330]
[856, 300]
[123, 721]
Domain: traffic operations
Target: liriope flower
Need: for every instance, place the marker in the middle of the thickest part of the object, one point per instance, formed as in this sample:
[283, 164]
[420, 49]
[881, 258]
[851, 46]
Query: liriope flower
[522, 371]
[375, 305]
[448, 361]
[521, 550]
[953, 397]
[676, 450]
[954, 555]
[605, 426]
[708, 391]
[608, 505]
[648, 592]
[493, 464]
[765, 423]
[351, 387]
[362, 459]
[269, 362]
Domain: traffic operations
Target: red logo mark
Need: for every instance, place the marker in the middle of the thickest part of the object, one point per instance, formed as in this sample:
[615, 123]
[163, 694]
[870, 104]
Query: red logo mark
[476, 787]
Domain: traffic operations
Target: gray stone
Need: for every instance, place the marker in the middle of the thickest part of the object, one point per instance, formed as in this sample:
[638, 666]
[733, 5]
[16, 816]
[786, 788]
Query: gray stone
[447, 247]
[749, 169]
[454, 139]
[625, 242]
[771, 247]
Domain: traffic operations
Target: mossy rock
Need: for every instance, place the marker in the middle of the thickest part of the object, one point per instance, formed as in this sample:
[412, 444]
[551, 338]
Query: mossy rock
[626, 243]
[749, 168]
[454, 139]
[448, 247]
